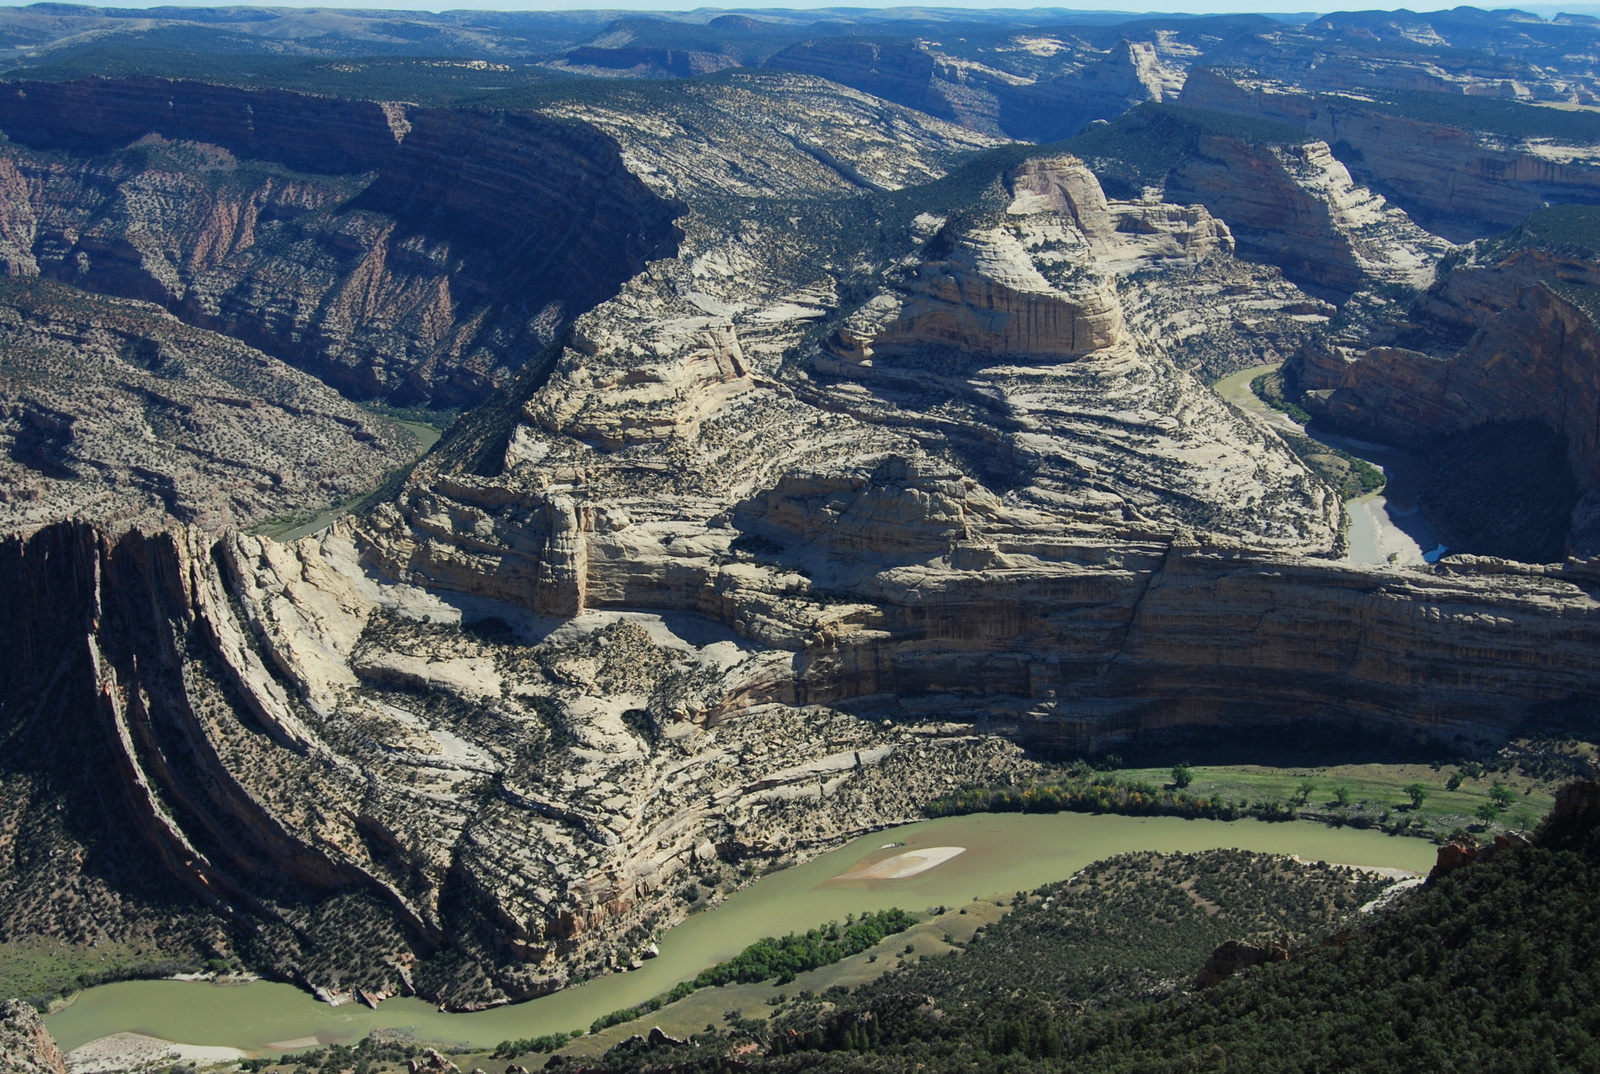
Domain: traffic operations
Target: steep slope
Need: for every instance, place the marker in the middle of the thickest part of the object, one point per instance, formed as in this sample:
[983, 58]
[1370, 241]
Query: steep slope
[1506, 335]
[25, 1044]
[815, 520]
[367, 796]
[114, 411]
[1298, 208]
[1456, 181]
[1284, 196]
[942, 82]
[416, 254]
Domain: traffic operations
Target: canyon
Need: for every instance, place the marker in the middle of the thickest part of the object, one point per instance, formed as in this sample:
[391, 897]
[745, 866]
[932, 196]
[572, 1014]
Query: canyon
[1460, 184]
[821, 452]
[410, 254]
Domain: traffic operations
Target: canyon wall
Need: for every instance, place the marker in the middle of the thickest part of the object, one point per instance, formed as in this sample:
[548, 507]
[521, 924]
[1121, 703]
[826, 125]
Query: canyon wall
[384, 801]
[1296, 207]
[1446, 178]
[986, 99]
[1078, 640]
[1500, 339]
[1531, 350]
[414, 253]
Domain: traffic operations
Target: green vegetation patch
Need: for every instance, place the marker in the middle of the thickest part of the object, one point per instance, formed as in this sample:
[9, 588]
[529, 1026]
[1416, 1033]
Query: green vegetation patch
[41, 969]
[1121, 931]
[783, 959]
[1486, 115]
[1562, 230]
[1079, 791]
[1453, 800]
[1142, 145]
[1494, 966]
[1350, 476]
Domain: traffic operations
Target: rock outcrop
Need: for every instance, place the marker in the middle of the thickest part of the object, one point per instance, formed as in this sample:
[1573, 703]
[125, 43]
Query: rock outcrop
[113, 410]
[1507, 334]
[26, 1046]
[816, 520]
[1452, 181]
[350, 789]
[1080, 87]
[1235, 955]
[1297, 207]
[413, 253]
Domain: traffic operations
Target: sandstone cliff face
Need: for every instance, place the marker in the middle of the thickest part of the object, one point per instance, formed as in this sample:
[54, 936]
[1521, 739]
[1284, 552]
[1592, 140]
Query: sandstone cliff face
[620, 630]
[329, 764]
[318, 755]
[1130, 73]
[986, 297]
[419, 254]
[1449, 180]
[1498, 339]
[1297, 207]
[316, 750]
[1044, 105]
[1009, 337]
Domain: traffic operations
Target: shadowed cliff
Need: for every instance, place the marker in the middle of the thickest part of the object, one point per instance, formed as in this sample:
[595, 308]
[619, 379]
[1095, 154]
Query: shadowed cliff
[411, 253]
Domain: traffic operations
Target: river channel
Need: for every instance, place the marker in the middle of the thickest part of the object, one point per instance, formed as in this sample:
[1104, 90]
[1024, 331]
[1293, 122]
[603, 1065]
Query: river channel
[1000, 853]
[1387, 526]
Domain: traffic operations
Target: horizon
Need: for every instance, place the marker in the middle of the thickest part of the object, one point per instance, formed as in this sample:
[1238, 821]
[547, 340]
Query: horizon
[637, 7]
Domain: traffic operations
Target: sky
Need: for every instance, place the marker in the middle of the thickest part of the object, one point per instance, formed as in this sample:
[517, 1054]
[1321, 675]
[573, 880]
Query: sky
[1194, 7]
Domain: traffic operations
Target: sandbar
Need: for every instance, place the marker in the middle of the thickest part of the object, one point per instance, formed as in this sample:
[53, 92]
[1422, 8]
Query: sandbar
[130, 1051]
[901, 866]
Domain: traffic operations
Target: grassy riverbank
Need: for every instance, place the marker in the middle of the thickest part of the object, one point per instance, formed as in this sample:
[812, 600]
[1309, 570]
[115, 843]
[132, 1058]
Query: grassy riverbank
[1433, 801]
[45, 971]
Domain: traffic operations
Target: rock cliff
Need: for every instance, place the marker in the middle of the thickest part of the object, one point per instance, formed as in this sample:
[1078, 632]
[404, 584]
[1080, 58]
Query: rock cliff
[1296, 207]
[1454, 182]
[816, 519]
[373, 790]
[26, 1046]
[370, 796]
[412, 253]
[1507, 334]
[1083, 85]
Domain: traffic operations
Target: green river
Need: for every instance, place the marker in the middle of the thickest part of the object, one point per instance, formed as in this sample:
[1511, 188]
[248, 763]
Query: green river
[1386, 527]
[1004, 852]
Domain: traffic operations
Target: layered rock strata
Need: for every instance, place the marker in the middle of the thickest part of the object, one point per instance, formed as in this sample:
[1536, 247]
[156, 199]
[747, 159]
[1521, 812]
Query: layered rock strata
[305, 743]
[1454, 182]
[1062, 89]
[419, 254]
[787, 537]
[1296, 207]
[372, 797]
[1500, 338]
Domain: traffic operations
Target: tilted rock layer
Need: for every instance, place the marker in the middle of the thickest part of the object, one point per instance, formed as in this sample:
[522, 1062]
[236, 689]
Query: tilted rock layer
[419, 254]
[805, 525]
[1452, 181]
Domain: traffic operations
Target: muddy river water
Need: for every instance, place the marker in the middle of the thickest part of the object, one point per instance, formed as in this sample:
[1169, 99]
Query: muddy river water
[971, 857]
[998, 853]
[1386, 526]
